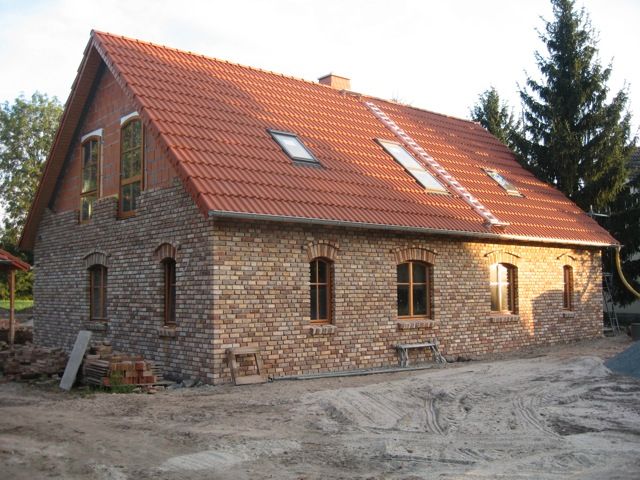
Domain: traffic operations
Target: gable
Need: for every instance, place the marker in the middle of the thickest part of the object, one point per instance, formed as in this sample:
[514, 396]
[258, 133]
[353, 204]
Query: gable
[214, 118]
[105, 108]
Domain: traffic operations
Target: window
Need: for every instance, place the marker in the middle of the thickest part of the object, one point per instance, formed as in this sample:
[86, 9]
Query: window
[169, 268]
[568, 288]
[503, 182]
[98, 292]
[503, 282]
[415, 169]
[90, 165]
[414, 281]
[320, 290]
[131, 165]
[293, 146]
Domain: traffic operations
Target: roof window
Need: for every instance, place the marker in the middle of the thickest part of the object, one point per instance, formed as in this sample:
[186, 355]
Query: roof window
[503, 182]
[293, 146]
[422, 176]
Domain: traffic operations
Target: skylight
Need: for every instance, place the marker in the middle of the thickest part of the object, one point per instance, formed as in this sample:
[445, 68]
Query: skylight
[422, 176]
[503, 182]
[293, 147]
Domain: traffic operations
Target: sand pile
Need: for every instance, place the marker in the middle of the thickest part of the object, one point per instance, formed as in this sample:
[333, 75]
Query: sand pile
[626, 362]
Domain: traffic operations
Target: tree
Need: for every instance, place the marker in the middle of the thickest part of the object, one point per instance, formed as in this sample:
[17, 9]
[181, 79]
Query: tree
[27, 129]
[573, 136]
[494, 116]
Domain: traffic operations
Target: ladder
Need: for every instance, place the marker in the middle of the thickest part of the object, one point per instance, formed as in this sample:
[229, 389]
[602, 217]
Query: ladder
[611, 326]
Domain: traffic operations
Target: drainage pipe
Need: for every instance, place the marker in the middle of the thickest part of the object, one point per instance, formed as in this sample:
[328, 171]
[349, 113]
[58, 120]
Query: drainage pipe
[621, 274]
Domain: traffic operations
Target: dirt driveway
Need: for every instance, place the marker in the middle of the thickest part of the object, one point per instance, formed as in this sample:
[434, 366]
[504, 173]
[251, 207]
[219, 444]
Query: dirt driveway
[553, 413]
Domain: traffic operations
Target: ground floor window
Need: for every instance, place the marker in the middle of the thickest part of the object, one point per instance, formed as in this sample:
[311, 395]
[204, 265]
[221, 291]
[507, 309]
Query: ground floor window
[320, 290]
[503, 283]
[568, 288]
[98, 292]
[169, 267]
[414, 290]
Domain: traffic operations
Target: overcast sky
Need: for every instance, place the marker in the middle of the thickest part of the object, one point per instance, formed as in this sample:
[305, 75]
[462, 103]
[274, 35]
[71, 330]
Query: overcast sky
[437, 55]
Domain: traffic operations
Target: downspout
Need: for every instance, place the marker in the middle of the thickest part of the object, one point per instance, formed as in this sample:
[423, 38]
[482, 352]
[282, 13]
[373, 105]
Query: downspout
[621, 274]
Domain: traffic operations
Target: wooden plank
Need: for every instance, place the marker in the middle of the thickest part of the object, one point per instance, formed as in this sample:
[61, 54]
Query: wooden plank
[251, 379]
[75, 359]
[244, 350]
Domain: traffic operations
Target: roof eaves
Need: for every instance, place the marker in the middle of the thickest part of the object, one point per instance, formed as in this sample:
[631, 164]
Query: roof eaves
[402, 228]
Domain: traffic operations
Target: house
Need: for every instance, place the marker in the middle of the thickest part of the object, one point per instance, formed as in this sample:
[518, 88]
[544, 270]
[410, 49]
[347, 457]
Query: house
[190, 205]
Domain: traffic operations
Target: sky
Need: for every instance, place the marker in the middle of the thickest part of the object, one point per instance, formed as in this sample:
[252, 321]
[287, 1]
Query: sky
[436, 55]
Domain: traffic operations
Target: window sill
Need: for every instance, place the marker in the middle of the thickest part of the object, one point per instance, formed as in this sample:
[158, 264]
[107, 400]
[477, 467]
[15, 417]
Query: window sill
[504, 318]
[168, 331]
[322, 329]
[567, 314]
[96, 325]
[414, 324]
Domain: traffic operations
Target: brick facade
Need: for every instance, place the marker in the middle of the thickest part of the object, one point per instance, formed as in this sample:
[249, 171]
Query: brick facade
[261, 296]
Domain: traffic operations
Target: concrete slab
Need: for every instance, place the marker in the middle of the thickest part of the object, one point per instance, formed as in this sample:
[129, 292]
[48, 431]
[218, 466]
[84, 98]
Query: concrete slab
[75, 360]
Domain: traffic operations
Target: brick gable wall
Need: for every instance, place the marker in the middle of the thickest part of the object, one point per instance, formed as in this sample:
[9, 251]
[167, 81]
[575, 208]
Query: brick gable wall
[107, 106]
[64, 249]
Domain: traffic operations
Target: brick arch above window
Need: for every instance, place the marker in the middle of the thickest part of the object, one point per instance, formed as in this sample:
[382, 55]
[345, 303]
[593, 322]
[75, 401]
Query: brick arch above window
[165, 250]
[500, 256]
[322, 249]
[96, 258]
[420, 254]
[567, 259]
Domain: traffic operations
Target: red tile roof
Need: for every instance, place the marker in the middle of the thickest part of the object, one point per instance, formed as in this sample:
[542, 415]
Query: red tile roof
[213, 116]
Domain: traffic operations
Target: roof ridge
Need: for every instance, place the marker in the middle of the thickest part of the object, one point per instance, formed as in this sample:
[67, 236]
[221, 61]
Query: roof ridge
[217, 59]
[282, 75]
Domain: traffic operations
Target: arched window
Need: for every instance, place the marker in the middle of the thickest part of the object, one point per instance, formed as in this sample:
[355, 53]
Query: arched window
[567, 297]
[131, 165]
[414, 284]
[90, 168]
[504, 289]
[98, 292]
[169, 269]
[320, 290]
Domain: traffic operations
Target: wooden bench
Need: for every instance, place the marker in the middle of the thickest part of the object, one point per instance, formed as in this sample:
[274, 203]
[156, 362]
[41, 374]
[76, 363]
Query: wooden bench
[233, 353]
[403, 351]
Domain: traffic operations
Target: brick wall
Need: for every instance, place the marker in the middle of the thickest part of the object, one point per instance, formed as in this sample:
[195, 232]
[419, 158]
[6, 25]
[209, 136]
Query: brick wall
[261, 296]
[106, 107]
[135, 280]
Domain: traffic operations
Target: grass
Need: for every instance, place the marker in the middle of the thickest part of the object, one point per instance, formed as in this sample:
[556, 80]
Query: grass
[20, 304]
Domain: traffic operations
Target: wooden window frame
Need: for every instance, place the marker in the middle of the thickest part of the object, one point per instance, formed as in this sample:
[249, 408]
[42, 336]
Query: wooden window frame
[329, 286]
[96, 191]
[103, 293]
[568, 288]
[169, 291]
[512, 288]
[428, 288]
[136, 178]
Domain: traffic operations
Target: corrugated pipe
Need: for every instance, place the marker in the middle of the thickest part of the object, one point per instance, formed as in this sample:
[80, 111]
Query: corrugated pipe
[624, 280]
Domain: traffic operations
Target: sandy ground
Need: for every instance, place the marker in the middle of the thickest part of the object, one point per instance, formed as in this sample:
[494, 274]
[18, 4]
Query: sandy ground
[553, 413]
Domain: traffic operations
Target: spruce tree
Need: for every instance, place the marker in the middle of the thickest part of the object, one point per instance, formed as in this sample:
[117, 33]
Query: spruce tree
[494, 116]
[573, 136]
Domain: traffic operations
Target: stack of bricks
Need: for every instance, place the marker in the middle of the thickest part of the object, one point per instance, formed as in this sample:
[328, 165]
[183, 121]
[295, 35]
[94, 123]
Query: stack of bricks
[104, 367]
[23, 362]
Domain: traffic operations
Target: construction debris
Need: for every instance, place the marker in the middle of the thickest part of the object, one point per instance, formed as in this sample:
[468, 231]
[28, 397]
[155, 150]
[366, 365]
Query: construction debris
[104, 367]
[24, 362]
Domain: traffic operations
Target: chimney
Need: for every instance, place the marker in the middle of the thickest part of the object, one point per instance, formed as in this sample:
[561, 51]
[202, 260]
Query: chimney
[336, 81]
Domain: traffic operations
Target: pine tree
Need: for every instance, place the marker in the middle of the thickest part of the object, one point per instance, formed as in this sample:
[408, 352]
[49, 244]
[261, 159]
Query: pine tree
[494, 116]
[573, 136]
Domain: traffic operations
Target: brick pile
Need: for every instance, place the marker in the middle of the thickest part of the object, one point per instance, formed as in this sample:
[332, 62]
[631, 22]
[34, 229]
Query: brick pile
[104, 367]
[23, 362]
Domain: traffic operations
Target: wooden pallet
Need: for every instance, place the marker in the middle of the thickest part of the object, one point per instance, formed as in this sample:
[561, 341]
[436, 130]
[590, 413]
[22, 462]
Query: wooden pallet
[232, 360]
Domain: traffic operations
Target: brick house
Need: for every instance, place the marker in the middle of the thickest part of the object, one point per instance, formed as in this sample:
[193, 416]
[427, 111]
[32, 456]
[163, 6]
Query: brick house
[190, 205]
